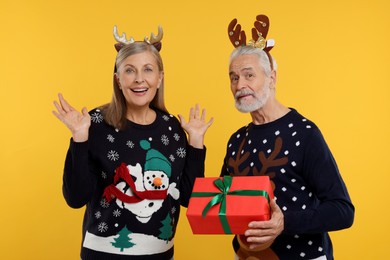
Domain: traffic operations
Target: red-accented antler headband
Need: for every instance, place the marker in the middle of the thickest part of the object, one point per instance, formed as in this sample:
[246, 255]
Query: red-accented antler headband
[154, 40]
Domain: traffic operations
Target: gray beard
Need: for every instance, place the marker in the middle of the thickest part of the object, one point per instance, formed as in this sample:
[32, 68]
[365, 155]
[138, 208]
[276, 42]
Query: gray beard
[256, 104]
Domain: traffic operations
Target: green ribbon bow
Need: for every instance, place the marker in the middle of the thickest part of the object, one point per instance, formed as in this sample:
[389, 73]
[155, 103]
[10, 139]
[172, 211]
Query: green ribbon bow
[220, 198]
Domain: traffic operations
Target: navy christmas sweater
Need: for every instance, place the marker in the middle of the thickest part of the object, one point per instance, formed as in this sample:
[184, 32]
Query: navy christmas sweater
[133, 183]
[306, 181]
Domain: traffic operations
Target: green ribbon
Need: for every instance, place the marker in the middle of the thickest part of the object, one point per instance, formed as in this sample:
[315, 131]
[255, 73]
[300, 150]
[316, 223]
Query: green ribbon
[220, 198]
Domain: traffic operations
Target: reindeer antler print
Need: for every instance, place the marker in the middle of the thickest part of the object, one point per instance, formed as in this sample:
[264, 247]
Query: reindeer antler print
[240, 158]
[271, 161]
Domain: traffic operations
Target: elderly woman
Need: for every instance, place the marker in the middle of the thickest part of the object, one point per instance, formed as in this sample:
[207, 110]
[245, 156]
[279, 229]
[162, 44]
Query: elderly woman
[130, 161]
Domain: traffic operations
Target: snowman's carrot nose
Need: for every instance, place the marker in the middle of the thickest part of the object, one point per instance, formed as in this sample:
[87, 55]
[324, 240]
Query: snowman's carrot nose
[157, 182]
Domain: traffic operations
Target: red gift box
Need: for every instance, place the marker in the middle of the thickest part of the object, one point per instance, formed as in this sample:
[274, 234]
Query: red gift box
[227, 205]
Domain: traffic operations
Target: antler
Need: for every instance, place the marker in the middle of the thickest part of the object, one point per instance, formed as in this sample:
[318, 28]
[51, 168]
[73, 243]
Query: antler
[122, 39]
[240, 158]
[155, 39]
[259, 33]
[236, 36]
[261, 27]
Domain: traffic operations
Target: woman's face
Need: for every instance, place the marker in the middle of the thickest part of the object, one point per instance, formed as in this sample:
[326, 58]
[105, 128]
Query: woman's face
[139, 78]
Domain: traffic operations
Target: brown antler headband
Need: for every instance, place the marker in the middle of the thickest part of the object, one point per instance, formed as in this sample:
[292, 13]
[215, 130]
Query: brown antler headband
[154, 40]
[259, 34]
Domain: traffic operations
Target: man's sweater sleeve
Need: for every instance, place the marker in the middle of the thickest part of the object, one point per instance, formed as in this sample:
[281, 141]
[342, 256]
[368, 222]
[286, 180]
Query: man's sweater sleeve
[78, 181]
[334, 210]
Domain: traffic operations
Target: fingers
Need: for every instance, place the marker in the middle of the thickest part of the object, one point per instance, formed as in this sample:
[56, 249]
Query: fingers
[85, 112]
[182, 119]
[192, 113]
[195, 113]
[64, 104]
[274, 206]
[210, 122]
[58, 107]
[263, 231]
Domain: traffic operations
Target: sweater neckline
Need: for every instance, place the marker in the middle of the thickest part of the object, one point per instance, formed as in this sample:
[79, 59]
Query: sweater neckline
[152, 125]
[275, 122]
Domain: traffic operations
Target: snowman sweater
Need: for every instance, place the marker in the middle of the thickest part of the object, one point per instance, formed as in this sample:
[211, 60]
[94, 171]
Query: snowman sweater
[133, 183]
[306, 180]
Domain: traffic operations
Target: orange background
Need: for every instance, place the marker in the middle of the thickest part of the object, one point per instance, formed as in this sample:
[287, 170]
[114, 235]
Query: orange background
[333, 61]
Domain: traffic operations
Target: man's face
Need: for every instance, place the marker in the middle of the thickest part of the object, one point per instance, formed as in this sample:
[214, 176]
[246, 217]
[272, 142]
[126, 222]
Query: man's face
[249, 84]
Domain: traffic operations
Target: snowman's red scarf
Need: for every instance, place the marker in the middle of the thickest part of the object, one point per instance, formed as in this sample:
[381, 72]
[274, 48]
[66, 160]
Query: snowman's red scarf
[122, 172]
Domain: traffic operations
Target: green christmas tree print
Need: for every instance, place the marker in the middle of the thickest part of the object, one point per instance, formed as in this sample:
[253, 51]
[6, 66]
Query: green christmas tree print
[123, 240]
[166, 229]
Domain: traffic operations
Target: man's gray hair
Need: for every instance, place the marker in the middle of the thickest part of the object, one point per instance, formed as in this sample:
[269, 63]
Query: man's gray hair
[263, 57]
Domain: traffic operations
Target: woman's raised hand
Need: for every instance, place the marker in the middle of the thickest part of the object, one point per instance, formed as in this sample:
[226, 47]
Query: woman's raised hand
[196, 126]
[77, 122]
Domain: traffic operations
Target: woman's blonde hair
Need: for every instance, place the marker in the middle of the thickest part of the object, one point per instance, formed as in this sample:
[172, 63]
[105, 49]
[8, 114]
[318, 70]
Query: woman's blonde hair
[114, 113]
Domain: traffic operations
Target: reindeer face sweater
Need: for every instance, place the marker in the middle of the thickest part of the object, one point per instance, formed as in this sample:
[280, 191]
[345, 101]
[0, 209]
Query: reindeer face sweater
[307, 184]
[132, 183]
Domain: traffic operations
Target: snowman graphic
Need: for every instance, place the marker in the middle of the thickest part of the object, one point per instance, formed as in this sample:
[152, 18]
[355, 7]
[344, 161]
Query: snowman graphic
[142, 192]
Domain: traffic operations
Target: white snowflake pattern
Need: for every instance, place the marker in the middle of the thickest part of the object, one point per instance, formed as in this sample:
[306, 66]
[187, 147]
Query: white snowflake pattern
[173, 210]
[165, 117]
[165, 139]
[104, 175]
[176, 136]
[102, 227]
[116, 213]
[96, 117]
[130, 144]
[113, 155]
[181, 152]
[110, 138]
[98, 214]
[172, 158]
[104, 203]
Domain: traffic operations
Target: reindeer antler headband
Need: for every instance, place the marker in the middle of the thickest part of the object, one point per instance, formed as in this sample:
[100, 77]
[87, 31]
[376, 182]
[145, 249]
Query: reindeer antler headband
[154, 40]
[259, 34]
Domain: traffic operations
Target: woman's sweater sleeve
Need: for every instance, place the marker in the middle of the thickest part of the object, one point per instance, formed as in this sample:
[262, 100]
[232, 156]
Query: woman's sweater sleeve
[78, 181]
[194, 167]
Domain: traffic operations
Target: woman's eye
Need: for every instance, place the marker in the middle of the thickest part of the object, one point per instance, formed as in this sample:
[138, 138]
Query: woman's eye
[148, 69]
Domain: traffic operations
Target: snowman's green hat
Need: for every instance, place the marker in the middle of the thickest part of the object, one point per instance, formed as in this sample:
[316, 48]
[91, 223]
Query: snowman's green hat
[155, 161]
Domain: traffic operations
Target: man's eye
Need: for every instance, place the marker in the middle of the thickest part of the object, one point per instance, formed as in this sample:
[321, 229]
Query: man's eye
[234, 79]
